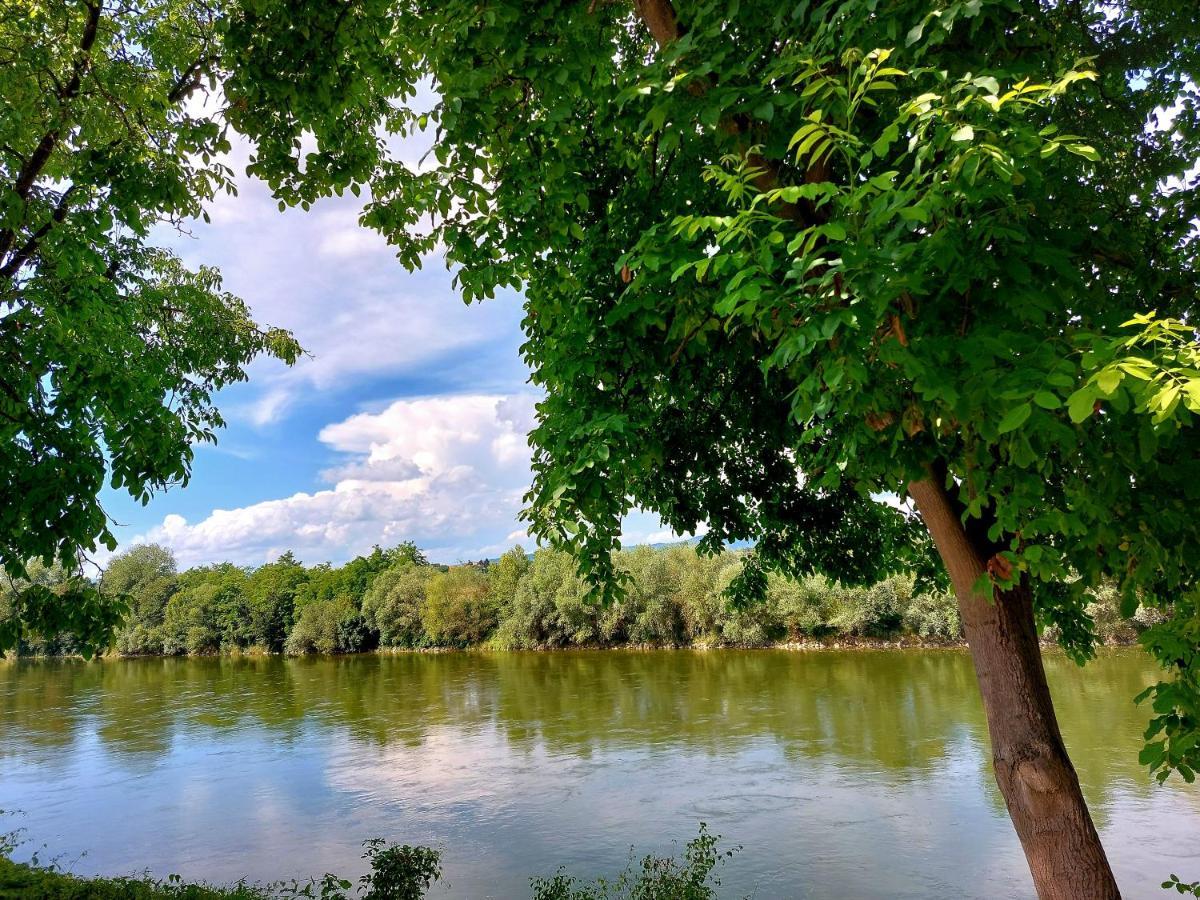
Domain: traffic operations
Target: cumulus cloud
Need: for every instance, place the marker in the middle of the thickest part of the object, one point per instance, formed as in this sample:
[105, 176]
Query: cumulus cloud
[448, 472]
[338, 287]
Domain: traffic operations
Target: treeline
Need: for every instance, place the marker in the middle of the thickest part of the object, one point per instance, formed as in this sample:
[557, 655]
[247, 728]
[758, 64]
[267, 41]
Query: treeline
[397, 598]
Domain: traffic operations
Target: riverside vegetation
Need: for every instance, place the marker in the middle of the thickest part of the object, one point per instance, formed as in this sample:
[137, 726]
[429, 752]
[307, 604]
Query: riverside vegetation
[396, 873]
[396, 598]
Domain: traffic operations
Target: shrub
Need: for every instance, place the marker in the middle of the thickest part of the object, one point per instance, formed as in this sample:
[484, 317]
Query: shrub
[324, 626]
[190, 621]
[145, 576]
[399, 873]
[690, 877]
[504, 577]
[934, 616]
[458, 610]
[876, 611]
[650, 613]
[702, 602]
[392, 604]
[803, 604]
[139, 640]
[550, 608]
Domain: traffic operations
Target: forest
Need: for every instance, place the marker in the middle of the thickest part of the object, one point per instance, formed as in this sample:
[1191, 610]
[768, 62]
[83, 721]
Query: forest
[397, 599]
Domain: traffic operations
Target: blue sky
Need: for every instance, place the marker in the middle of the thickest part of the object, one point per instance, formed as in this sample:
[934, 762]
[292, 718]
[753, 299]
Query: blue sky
[407, 422]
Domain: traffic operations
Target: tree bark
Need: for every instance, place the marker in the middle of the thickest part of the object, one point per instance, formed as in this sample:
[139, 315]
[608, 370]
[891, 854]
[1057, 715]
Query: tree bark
[1035, 775]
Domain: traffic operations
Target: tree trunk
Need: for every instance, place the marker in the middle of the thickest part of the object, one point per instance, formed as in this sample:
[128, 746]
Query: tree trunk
[1032, 768]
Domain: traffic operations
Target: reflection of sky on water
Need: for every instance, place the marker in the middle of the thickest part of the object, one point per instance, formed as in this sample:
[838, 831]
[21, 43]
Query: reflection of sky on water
[832, 770]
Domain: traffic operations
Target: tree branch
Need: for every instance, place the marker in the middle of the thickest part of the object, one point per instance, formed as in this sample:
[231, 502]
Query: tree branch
[661, 20]
[18, 259]
[37, 161]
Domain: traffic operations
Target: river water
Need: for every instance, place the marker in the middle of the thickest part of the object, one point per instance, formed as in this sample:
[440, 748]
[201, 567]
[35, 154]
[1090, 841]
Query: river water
[840, 774]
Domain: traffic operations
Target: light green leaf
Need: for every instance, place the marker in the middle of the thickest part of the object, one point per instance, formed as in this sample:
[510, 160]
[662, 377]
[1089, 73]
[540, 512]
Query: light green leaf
[1014, 418]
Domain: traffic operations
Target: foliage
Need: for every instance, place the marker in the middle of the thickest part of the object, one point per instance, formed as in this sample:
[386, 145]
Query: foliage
[755, 242]
[19, 881]
[549, 607]
[39, 612]
[110, 349]
[458, 610]
[271, 600]
[392, 604]
[674, 597]
[145, 577]
[505, 575]
[325, 626]
[1182, 887]
[396, 873]
[657, 877]
[399, 872]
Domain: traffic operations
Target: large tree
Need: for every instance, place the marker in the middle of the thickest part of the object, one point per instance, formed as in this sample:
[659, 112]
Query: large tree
[110, 348]
[782, 260]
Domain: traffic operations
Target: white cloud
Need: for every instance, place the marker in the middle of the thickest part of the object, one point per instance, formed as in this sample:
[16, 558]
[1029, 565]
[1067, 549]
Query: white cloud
[448, 472]
[339, 288]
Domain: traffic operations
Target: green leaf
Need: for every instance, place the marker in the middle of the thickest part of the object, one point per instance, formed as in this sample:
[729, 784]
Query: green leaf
[1014, 418]
[1081, 404]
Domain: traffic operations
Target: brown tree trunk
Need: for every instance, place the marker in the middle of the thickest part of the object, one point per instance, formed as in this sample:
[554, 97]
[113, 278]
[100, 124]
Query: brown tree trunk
[1035, 775]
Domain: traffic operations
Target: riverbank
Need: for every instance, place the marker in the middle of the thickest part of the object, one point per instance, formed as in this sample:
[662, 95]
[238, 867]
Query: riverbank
[395, 873]
[900, 644]
[396, 601]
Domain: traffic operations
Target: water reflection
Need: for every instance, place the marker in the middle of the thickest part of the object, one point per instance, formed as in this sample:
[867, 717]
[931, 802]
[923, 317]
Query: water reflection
[870, 766]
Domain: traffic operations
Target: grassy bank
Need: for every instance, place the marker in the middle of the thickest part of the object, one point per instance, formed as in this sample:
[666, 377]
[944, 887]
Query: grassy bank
[395, 873]
[397, 600]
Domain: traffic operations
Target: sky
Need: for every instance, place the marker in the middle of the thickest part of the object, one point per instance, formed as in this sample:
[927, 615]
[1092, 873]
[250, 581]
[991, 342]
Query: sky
[406, 421]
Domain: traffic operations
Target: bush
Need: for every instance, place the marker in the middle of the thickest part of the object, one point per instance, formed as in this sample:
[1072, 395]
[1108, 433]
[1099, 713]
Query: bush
[504, 577]
[877, 611]
[651, 612]
[399, 873]
[24, 882]
[140, 640]
[396, 873]
[934, 616]
[326, 626]
[190, 621]
[550, 608]
[392, 604]
[656, 878]
[458, 610]
[803, 604]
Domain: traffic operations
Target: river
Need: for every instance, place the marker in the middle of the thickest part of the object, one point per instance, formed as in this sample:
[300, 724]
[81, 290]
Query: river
[839, 773]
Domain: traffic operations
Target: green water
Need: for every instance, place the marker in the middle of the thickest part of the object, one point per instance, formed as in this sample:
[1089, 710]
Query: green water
[841, 774]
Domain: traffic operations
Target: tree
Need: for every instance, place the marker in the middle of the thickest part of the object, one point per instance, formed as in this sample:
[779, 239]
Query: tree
[781, 260]
[392, 604]
[146, 576]
[110, 349]
[778, 261]
[458, 610]
[271, 599]
[504, 577]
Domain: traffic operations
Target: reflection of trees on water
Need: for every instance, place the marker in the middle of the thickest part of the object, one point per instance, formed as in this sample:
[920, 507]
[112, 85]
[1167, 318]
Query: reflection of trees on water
[898, 714]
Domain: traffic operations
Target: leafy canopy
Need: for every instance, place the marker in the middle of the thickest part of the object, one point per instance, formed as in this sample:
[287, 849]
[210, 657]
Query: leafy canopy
[779, 260]
[110, 348]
